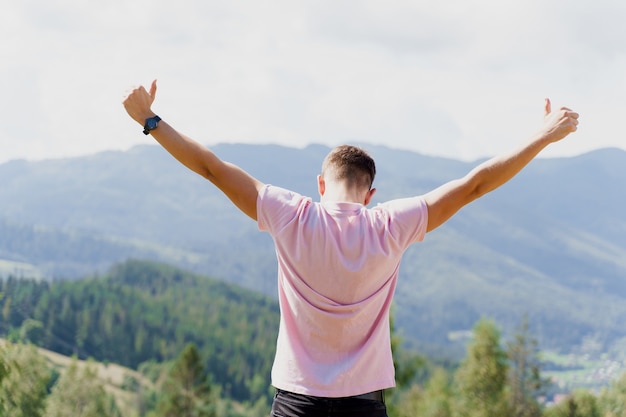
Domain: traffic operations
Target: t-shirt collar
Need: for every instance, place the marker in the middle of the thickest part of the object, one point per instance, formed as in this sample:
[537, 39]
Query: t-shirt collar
[342, 208]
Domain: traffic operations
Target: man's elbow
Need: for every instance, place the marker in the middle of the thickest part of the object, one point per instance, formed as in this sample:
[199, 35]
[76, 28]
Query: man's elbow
[476, 187]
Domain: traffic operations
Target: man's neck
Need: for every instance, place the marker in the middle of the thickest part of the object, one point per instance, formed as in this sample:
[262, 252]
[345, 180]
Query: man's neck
[341, 195]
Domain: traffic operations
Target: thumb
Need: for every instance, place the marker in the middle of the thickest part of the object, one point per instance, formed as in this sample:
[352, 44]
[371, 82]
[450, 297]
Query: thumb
[153, 89]
[547, 107]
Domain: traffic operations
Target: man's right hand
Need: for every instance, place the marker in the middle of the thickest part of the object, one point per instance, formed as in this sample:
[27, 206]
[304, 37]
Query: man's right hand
[138, 103]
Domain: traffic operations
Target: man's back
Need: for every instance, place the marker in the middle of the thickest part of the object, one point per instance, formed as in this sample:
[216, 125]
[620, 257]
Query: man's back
[338, 266]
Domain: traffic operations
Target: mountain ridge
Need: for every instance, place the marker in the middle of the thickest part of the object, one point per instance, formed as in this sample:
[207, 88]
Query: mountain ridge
[550, 243]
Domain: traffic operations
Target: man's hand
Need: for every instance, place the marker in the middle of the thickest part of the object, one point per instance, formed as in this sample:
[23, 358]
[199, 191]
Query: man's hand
[138, 103]
[558, 124]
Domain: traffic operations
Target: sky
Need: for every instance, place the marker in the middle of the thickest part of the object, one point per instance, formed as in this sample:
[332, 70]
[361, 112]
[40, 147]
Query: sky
[459, 79]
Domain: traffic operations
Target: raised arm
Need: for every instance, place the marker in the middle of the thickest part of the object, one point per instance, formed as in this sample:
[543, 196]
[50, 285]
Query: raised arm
[239, 186]
[446, 200]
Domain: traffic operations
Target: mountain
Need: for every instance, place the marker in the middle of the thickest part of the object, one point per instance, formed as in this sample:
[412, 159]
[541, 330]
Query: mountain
[551, 244]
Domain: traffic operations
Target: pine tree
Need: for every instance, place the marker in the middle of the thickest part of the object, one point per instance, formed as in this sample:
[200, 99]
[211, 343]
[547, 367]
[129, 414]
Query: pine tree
[524, 377]
[480, 381]
[187, 390]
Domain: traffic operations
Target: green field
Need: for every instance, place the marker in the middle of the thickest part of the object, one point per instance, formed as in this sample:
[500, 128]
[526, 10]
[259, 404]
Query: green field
[582, 370]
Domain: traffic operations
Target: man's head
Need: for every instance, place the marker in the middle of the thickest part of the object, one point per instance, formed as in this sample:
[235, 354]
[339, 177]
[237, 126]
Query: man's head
[352, 168]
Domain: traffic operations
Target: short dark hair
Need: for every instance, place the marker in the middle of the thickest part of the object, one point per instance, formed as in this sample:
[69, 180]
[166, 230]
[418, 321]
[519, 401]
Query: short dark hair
[351, 164]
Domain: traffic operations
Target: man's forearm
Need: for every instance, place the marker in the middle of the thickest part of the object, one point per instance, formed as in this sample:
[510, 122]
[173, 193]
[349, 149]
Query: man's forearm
[496, 171]
[190, 153]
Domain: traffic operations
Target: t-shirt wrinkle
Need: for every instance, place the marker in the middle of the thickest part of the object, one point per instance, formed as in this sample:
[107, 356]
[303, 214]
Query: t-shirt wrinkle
[338, 266]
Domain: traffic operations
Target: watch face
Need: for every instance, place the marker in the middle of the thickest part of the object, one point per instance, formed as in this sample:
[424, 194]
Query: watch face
[152, 124]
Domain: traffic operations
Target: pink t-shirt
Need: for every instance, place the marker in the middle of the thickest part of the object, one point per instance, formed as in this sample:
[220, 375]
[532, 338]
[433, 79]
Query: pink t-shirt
[337, 272]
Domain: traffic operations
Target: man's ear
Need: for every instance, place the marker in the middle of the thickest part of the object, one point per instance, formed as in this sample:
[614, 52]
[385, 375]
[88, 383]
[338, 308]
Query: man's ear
[321, 185]
[369, 195]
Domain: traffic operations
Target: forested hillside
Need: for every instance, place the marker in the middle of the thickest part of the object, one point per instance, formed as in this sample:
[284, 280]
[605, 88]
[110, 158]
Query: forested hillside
[497, 378]
[550, 244]
[142, 311]
[211, 342]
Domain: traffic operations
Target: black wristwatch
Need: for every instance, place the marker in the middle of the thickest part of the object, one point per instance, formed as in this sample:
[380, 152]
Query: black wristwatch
[151, 124]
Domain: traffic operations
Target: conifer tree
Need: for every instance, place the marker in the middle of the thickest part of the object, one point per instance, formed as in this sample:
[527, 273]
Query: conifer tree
[524, 377]
[187, 390]
[480, 381]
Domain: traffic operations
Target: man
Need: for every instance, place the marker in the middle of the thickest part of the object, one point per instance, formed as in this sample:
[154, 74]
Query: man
[338, 260]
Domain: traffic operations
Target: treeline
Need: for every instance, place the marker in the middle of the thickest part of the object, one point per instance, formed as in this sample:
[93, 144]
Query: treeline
[143, 311]
[495, 379]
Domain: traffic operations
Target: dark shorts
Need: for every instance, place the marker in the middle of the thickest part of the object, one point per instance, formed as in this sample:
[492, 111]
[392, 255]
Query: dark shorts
[288, 404]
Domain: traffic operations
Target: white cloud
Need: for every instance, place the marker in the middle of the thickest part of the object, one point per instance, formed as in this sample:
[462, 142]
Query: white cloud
[460, 79]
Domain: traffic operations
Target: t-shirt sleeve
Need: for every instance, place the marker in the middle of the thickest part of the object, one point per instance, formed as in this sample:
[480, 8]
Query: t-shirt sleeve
[277, 207]
[408, 219]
